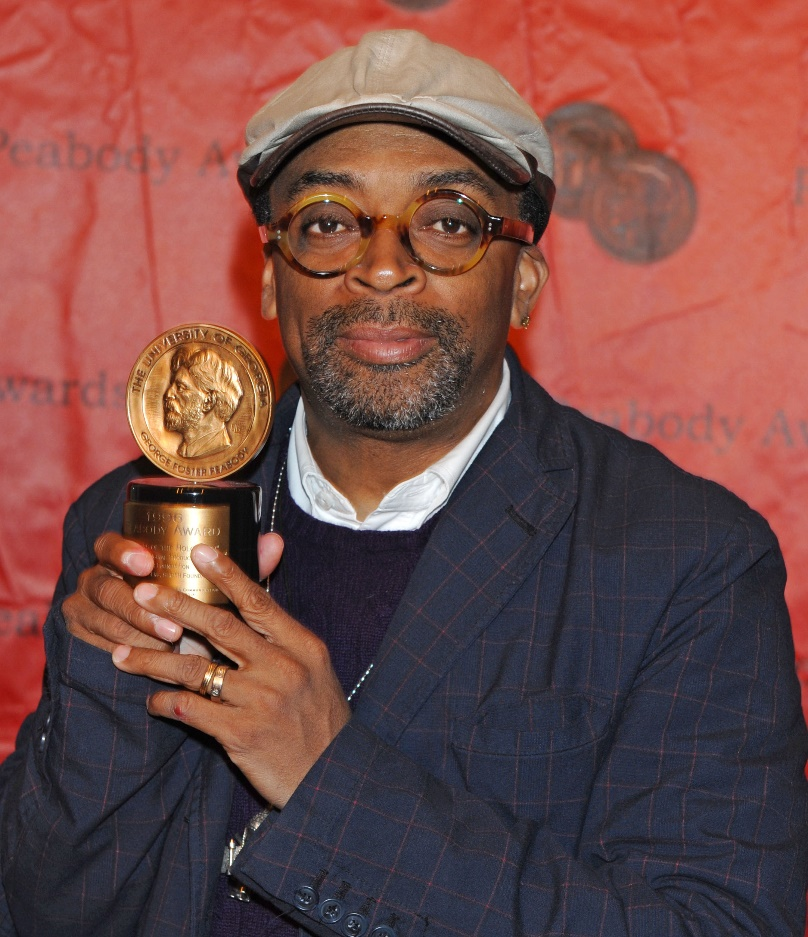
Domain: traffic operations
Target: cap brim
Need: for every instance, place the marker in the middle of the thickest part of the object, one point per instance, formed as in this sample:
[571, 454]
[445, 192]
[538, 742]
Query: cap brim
[497, 161]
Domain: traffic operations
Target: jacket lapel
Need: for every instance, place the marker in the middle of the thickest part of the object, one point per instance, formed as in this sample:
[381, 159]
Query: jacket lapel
[501, 519]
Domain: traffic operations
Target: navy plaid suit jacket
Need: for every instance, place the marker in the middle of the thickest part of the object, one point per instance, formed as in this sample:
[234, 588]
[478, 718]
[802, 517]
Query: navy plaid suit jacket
[583, 721]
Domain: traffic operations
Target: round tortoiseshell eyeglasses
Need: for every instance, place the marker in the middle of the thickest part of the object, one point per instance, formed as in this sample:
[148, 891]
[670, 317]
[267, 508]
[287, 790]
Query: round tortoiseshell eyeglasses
[444, 231]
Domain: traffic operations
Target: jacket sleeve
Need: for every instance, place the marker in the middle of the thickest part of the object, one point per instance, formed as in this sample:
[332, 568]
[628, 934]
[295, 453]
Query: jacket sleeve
[95, 790]
[695, 822]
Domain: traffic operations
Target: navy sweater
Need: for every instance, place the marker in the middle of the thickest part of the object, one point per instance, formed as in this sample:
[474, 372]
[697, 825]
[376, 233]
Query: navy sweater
[344, 585]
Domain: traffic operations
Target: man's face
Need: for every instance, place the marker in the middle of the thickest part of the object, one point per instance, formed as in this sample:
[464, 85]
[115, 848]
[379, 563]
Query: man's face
[183, 402]
[388, 347]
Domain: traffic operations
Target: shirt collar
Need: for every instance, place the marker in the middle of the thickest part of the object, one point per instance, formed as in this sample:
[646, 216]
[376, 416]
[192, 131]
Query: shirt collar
[411, 502]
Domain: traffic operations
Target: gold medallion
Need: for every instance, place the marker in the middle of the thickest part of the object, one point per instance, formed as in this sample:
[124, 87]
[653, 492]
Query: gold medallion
[200, 402]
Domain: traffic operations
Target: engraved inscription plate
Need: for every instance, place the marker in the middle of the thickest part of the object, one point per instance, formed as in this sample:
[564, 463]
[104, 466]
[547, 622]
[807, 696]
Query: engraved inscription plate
[170, 531]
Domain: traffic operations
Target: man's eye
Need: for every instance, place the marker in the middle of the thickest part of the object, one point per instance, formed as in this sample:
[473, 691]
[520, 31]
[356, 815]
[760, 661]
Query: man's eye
[450, 226]
[323, 222]
[445, 220]
[447, 230]
[323, 227]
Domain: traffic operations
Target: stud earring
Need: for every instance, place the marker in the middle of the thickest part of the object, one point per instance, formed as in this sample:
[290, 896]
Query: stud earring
[525, 321]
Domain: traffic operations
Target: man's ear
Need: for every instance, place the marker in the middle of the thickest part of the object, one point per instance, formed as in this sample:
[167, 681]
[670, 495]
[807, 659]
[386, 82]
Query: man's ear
[269, 306]
[529, 278]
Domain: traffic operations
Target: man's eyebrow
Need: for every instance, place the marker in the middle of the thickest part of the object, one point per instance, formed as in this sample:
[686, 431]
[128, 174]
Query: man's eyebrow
[441, 179]
[321, 178]
[456, 178]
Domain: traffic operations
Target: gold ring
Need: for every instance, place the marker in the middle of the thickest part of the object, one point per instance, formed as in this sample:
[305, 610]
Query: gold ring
[204, 686]
[217, 681]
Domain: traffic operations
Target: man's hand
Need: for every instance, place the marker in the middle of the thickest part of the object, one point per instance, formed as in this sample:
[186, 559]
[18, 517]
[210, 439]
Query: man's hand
[279, 710]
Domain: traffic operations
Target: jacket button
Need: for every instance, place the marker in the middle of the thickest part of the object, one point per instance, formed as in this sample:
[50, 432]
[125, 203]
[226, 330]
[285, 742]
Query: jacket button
[330, 911]
[354, 925]
[306, 898]
[43, 738]
[383, 931]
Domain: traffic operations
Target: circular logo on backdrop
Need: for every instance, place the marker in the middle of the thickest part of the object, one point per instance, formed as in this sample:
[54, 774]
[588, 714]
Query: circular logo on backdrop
[644, 208]
[583, 135]
[418, 4]
[640, 205]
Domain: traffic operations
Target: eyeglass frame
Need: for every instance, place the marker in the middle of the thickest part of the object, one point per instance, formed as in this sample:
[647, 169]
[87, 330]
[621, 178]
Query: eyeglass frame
[492, 226]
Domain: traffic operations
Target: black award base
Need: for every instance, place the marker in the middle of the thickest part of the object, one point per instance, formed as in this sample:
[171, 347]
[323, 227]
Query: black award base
[169, 517]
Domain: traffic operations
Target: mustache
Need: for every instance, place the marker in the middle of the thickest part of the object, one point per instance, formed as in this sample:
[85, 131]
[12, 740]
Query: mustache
[325, 328]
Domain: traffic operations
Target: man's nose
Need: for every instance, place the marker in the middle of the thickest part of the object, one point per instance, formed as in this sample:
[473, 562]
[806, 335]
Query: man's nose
[386, 265]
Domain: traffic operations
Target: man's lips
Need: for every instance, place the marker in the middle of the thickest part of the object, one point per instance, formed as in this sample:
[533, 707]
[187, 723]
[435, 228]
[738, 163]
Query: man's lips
[379, 345]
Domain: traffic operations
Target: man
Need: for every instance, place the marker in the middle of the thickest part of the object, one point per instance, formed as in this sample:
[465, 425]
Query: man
[517, 674]
[203, 395]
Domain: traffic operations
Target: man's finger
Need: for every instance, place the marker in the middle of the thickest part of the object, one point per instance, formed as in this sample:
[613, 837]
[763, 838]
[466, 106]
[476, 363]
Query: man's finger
[256, 606]
[115, 596]
[191, 709]
[225, 631]
[183, 670]
[270, 549]
[123, 556]
[103, 606]
[94, 626]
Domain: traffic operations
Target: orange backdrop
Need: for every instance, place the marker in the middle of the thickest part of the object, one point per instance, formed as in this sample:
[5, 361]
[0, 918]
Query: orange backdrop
[679, 256]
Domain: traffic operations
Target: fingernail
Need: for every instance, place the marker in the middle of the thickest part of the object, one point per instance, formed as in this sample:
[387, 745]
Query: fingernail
[166, 629]
[120, 653]
[137, 563]
[204, 553]
[145, 591]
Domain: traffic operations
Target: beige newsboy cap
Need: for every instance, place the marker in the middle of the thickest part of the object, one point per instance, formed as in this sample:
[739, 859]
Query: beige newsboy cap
[400, 75]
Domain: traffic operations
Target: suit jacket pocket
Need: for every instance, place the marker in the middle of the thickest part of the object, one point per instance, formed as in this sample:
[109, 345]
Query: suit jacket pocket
[538, 754]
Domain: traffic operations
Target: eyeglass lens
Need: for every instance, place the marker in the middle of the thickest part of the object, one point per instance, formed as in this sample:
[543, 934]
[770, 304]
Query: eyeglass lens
[444, 233]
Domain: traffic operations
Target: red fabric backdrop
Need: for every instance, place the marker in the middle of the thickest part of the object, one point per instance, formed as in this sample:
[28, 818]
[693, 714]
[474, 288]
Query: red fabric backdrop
[679, 257]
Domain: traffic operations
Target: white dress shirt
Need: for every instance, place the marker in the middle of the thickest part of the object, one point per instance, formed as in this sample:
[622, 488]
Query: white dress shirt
[411, 502]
